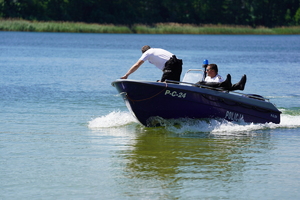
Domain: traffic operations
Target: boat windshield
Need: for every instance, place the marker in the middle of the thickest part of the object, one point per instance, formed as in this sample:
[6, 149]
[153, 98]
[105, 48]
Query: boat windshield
[193, 76]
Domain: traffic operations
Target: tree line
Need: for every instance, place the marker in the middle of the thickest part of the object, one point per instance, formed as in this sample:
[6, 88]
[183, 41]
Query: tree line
[268, 13]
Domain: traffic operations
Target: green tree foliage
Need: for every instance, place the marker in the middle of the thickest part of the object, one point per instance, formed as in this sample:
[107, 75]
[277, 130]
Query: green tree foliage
[254, 13]
[297, 17]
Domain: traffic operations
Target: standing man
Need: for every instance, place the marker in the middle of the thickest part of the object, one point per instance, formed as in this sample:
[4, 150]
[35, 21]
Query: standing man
[162, 59]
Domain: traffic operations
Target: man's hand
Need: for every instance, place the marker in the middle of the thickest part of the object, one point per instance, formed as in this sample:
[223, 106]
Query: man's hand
[124, 77]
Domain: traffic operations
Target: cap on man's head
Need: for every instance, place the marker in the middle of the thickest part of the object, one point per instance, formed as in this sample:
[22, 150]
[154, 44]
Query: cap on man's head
[145, 48]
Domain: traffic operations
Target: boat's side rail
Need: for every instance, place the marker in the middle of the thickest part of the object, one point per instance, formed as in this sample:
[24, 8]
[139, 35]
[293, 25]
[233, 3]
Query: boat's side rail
[253, 96]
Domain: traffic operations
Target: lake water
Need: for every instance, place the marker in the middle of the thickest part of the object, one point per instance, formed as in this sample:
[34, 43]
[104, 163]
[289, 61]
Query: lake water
[65, 133]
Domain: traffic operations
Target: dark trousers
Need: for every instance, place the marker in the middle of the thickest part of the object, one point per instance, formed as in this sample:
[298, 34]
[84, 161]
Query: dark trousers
[172, 69]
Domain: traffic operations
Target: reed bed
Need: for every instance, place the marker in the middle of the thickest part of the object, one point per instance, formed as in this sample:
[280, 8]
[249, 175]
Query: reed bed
[35, 26]
[159, 28]
[173, 28]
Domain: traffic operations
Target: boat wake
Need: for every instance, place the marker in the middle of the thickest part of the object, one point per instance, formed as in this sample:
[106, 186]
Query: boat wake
[289, 119]
[113, 119]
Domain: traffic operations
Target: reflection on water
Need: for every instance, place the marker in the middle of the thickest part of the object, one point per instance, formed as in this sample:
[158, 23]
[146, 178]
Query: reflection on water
[170, 161]
[200, 159]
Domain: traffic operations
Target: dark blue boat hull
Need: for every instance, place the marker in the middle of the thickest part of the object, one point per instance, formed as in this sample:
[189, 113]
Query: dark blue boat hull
[147, 100]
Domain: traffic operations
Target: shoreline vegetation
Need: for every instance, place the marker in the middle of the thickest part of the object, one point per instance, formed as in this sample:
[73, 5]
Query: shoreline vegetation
[159, 28]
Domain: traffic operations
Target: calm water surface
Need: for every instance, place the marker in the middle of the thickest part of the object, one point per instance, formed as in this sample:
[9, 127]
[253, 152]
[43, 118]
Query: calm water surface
[65, 133]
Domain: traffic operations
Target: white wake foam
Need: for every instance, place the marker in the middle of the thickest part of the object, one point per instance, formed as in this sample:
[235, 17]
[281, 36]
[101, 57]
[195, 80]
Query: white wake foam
[223, 127]
[182, 126]
[113, 119]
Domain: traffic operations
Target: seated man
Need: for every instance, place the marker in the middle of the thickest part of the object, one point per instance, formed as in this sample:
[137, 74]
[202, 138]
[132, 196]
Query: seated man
[213, 79]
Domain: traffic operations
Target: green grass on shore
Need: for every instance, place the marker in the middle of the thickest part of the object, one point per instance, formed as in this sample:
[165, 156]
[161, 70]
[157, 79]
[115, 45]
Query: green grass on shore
[173, 28]
[35, 26]
[160, 28]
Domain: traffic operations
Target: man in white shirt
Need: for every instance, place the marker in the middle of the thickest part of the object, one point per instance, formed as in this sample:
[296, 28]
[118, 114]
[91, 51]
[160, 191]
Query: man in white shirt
[212, 74]
[162, 59]
[213, 79]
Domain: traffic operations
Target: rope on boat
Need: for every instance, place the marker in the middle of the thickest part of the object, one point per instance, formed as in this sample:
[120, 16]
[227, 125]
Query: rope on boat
[133, 100]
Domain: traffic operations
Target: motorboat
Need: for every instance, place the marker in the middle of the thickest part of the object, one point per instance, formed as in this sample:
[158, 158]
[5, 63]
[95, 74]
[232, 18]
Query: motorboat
[149, 101]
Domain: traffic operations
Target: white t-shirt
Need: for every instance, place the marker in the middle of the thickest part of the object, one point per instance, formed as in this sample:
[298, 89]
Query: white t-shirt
[217, 79]
[157, 57]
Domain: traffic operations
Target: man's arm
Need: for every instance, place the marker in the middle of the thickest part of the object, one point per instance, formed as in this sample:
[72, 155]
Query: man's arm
[133, 69]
